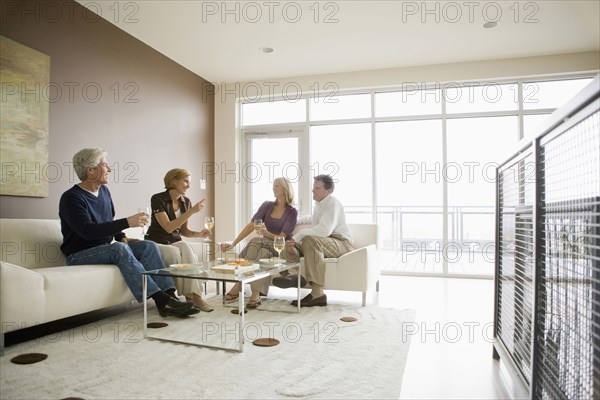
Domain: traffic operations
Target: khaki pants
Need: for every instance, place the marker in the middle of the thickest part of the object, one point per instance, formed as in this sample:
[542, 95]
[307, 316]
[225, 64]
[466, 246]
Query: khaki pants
[257, 249]
[188, 256]
[315, 250]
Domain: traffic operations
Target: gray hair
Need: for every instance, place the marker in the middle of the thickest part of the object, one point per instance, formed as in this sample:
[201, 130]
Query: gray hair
[87, 158]
[327, 180]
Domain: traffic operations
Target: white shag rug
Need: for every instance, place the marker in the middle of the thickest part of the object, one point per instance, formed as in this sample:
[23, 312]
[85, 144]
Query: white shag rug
[319, 356]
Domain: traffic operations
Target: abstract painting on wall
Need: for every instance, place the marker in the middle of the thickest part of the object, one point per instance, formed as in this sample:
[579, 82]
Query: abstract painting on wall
[24, 113]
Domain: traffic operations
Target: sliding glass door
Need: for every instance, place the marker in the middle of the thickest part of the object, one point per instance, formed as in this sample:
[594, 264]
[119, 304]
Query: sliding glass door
[271, 156]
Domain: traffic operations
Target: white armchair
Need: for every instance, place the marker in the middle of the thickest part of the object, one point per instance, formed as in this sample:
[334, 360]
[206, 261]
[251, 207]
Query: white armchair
[357, 270]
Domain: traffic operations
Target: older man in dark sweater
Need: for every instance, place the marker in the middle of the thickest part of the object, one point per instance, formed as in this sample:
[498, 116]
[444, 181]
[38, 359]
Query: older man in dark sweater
[88, 226]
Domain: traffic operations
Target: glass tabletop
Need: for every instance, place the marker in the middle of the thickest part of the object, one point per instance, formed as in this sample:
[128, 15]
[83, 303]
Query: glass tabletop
[224, 270]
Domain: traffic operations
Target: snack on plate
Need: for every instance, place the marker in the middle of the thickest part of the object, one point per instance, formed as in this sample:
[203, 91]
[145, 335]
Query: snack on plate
[236, 267]
[241, 263]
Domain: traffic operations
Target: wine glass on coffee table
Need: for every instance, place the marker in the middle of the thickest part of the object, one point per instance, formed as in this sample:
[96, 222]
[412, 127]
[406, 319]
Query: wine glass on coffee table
[279, 245]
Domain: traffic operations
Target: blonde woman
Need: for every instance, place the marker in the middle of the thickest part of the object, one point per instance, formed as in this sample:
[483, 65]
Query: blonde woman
[279, 218]
[171, 211]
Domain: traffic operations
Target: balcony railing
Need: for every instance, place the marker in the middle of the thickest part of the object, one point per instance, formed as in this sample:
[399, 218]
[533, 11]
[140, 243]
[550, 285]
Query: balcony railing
[396, 231]
[411, 238]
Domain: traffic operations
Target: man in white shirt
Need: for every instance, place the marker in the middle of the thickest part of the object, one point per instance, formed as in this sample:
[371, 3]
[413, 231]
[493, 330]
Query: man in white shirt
[328, 236]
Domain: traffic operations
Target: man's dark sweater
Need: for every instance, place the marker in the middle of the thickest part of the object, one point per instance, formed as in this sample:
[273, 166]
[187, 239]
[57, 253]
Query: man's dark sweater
[87, 221]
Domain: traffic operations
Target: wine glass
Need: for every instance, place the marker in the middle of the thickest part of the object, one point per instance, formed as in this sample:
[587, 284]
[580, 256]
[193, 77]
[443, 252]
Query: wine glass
[258, 223]
[279, 245]
[145, 210]
[209, 223]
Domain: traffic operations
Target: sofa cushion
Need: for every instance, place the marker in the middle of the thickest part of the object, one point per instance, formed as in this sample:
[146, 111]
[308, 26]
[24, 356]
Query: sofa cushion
[298, 228]
[31, 243]
[363, 234]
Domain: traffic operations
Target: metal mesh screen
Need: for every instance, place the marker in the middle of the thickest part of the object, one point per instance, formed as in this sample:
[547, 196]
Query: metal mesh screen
[515, 265]
[567, 360]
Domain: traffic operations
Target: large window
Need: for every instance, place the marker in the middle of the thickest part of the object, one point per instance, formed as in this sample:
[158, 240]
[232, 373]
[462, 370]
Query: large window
[275, 112]
[340, 107]
[344, 152]
[409, 102]
[475, 148]
[409, 187]
[550, 94]
[487, 97]
[420, 161]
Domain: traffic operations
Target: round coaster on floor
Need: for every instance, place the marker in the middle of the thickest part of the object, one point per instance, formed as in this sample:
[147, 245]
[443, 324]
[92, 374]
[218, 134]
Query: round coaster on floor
[237, 311]
[265, 342]
[73, 398]
[156, 325]
[348, 319]
[29, 358]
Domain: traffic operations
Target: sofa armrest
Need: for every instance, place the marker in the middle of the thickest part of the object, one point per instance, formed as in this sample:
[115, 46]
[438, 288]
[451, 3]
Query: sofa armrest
[355, 262]
[22, 297]
[356, 270]
[374, 270]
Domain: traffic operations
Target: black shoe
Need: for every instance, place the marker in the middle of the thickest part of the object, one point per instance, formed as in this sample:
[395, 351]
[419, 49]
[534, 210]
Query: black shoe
[192, 311]
[174, 308]
[309, 301]
[320, 301]
[307, 298]
[288, 281]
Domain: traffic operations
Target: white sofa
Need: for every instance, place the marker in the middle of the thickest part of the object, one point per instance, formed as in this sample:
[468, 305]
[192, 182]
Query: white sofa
[357, 270]
[37, 287]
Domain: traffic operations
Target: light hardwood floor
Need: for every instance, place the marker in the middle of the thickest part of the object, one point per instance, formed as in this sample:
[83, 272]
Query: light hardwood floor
[451, 351]
[450, 356]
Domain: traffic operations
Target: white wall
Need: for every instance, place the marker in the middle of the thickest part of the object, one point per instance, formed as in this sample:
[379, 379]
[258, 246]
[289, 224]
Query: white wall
[227, 140]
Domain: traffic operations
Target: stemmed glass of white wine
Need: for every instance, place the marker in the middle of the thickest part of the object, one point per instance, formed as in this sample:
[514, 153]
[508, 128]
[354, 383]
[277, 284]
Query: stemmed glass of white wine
[209, 223]
[145, 210]
[279, 245]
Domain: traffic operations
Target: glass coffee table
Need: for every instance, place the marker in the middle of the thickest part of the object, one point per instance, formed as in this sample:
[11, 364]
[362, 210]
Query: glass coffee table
[219, 271]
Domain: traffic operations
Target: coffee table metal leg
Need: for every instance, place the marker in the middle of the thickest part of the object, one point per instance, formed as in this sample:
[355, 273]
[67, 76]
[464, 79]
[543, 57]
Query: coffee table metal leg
[144, 295]
[298, 292]
[241, 311]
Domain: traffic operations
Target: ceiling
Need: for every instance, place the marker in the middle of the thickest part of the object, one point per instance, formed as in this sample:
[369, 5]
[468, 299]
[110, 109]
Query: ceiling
[221, 41]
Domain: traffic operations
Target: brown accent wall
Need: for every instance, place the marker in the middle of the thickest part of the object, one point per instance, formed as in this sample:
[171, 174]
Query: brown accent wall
[112, 91]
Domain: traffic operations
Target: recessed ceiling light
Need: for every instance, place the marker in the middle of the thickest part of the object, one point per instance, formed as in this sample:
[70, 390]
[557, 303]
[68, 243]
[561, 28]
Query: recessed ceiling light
[266, 49]
[488, 25]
